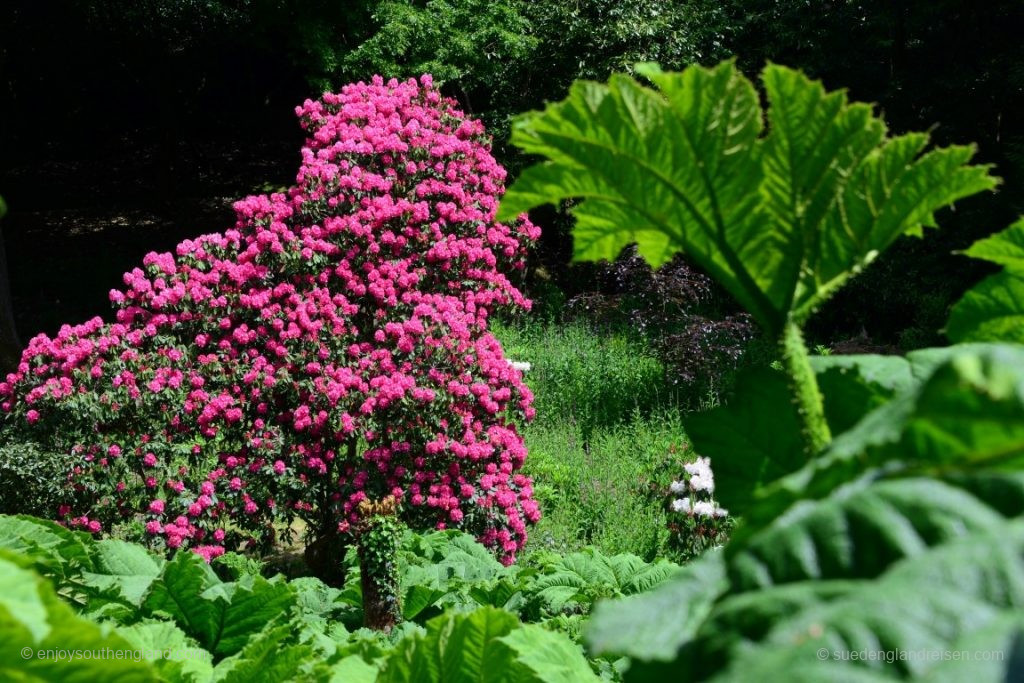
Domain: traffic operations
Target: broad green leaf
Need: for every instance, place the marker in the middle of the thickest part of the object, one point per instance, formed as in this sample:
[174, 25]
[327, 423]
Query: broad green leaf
[582, 577]
[418, 597]
[780, 220]
[968, 413]
[269, 657]
[354, 669]
[858, 535]
[992, 653]
[35, 621]
[52, 547]
[993, 310]
[672, 171]
[653, 625]
[1005, 248]
[927, 603]
[221, 616]
[243, 609]
[752, 440]
[314, 597]
[541, 655]
[853, 386]
[185, 661]
[177, 591]
[456, 648]
[126, 568]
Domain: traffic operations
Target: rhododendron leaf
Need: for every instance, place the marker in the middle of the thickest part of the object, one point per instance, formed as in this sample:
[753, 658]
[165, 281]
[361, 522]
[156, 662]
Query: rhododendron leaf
[654, 624]
[781, 221]
[125, 568]
[753, 439]
[34, 619]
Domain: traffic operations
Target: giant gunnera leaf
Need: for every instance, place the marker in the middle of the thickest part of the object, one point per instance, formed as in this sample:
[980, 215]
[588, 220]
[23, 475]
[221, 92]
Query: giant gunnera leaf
[781, 206]
[994, 309]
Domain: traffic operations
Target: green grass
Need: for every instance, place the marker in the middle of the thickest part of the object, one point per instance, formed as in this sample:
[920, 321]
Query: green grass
[607, 440]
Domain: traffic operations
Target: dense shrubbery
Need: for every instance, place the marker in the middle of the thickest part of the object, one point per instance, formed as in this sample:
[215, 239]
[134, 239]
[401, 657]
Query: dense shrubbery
[33, 481]
[331, 347]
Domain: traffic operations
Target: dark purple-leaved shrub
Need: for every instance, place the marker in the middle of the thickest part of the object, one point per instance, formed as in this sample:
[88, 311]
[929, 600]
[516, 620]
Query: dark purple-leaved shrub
[696, 331]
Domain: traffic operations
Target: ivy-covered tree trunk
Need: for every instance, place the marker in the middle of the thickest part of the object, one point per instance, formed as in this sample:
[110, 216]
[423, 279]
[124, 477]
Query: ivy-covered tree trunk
[378, 538]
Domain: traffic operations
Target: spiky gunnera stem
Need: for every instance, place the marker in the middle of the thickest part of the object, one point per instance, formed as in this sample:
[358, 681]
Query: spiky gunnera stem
[803, 385]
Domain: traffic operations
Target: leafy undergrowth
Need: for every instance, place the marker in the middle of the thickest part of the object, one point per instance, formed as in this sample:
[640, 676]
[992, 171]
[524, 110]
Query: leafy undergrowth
[608, 429]
[467, 617]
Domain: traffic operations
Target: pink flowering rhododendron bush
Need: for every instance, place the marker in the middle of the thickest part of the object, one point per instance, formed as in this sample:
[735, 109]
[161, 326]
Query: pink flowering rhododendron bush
[329, 348]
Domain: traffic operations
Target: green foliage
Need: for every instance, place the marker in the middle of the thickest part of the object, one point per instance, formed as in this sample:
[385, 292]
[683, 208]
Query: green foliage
[377, 544]
[31, 479]
[34, 620]
[573, 582]
[594, 378]
[903, 536]
[473, 44]
[994, 309]
[473, 615]
[485, 645]
[581, 485]
[781, 220]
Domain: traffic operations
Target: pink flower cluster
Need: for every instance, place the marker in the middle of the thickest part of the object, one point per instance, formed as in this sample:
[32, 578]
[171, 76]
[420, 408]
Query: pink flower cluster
[330, 347]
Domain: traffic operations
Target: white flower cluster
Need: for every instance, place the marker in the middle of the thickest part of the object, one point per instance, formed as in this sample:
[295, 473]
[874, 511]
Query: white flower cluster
[700, 480]
[520, 365]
